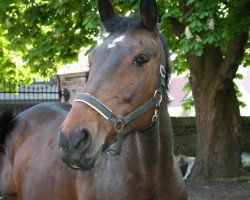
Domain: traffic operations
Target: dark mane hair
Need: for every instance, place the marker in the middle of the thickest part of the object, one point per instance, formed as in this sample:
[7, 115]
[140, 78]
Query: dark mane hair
[167, 54]
[6, 118]
[131, 24]
[123, 24]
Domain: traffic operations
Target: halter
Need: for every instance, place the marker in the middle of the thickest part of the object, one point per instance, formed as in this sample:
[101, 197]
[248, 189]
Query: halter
[119, 122]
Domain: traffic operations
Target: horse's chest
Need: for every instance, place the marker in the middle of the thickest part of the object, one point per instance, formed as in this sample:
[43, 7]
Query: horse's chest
[117, 185]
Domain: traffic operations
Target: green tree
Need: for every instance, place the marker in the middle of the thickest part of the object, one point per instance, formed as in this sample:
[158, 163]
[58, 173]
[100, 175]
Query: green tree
[47, 34]
[11, 68]
[212, 37]
[209, 38]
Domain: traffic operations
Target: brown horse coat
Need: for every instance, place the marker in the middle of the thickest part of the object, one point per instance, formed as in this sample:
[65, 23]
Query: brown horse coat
[126, 71]
[30, 164]
[31, 167]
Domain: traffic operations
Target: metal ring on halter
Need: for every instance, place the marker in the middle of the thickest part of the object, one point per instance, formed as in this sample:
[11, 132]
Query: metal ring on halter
[162, 71]
[158, 96]
[119, 124]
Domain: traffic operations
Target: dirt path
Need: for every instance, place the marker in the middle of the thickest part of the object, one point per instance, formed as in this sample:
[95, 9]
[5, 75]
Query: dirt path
[219, 191]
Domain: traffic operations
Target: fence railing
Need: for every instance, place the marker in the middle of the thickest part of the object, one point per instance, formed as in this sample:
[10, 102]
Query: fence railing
[20, 98]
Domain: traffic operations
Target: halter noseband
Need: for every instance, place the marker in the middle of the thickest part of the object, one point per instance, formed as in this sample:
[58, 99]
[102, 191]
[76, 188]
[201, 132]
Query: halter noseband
[120, 121]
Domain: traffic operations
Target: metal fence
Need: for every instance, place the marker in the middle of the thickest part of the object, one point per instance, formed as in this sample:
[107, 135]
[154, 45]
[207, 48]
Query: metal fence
[20, 98]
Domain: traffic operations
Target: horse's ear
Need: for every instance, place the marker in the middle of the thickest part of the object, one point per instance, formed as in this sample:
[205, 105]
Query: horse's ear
[149, 13]
[106, 10]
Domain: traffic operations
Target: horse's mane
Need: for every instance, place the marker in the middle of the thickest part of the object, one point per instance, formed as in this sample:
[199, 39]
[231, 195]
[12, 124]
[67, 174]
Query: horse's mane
[6, 118]
[131, 24]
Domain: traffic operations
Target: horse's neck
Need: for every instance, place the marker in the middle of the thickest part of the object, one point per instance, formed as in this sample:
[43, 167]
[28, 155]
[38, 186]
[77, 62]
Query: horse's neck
[153, 149]
[165, 128]
[159, 139]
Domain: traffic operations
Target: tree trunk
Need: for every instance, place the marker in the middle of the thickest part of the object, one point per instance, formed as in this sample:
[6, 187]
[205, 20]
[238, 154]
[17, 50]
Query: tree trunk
[217, 111]
[217, 119]
[218, 135]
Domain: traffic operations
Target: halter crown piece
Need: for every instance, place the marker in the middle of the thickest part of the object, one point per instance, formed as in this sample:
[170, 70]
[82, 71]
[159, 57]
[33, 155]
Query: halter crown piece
[119, 122]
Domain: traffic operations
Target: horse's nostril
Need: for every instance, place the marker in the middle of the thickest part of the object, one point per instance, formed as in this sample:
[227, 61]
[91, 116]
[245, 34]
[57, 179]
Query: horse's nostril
[85, 133]
[63, 141]
[80, 137]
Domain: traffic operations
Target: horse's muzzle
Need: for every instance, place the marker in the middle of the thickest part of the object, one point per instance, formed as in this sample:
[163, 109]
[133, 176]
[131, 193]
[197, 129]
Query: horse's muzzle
[73, 147]
[78, 150]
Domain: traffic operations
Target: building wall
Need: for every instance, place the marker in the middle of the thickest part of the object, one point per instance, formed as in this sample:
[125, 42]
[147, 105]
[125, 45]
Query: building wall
[73, 83]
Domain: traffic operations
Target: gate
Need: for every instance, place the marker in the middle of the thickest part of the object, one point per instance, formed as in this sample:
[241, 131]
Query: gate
[20, 98]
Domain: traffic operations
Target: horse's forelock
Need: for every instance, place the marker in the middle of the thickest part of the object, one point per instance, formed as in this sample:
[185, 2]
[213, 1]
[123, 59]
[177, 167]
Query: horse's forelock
[123, 24]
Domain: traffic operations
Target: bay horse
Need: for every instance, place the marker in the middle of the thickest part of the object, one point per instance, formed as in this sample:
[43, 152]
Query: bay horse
[116, 141]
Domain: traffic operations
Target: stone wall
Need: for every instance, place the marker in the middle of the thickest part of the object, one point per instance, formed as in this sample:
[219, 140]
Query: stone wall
[184, 135]
[73, 83]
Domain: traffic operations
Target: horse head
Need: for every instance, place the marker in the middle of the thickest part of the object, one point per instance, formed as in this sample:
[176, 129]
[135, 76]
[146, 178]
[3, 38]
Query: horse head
[123, 91]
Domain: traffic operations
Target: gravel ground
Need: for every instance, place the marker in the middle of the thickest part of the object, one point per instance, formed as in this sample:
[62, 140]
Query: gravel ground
[219, 191]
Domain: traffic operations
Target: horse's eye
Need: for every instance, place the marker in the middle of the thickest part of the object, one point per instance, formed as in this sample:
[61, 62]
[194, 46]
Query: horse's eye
[141, 60]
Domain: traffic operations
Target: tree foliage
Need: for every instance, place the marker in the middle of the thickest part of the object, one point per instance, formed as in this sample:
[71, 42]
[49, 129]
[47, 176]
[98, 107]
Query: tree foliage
[192, 25]
[47, 34]
[11, 68]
